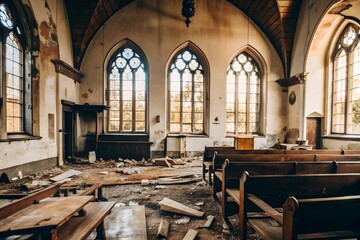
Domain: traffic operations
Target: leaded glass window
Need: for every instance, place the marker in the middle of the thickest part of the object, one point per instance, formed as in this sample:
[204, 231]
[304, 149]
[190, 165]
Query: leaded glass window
[14, 84]
[127, 91]
[187, 89]
[5, 17]
[243, 96]
[346, 83]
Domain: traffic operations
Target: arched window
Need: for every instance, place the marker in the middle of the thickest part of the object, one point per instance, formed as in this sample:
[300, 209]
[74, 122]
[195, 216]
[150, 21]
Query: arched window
[17, 101]
[243, 96]
[127, 84]
[187, 91]
[346, 83]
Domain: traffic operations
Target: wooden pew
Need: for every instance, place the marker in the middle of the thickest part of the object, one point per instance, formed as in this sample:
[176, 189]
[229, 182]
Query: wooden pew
[219, 159]
[271, 191]
[208, 159]
[311, 219]
[233, 171]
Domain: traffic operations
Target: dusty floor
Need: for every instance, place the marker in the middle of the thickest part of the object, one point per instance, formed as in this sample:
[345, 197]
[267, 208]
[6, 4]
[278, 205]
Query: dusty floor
[123, 189]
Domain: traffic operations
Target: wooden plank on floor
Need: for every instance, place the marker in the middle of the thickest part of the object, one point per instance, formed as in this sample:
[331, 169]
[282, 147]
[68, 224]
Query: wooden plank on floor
[163, 230]
[65, 175]
[190, 235]
[128, 223]
[176, 207]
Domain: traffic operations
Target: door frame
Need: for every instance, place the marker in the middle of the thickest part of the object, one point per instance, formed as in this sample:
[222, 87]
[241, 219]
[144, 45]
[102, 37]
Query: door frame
[318, 144]
[69, 107]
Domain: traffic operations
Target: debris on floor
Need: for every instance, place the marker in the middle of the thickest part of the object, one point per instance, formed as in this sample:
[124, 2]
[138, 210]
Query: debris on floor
[65, 175]
[172, 206]
[163, 230]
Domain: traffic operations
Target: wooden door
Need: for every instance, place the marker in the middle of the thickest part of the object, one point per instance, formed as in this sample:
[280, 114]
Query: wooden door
[313, 132]
[68, 133]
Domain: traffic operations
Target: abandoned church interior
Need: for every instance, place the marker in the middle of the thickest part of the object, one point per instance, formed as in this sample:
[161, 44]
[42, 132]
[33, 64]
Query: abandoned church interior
[179, 119]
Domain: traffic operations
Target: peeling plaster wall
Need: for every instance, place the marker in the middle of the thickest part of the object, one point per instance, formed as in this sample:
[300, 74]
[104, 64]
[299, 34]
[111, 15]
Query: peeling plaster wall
[48, 15]
[219, 29]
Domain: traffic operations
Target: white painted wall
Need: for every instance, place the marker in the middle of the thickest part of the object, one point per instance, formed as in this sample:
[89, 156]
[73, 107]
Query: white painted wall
[219, 29]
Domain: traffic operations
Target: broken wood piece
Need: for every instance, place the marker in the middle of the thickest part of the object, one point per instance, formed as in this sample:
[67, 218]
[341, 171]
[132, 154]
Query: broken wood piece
[190, 235]
[209, 221]
[163, 230]
[65, 175]
[168, 163]
[168, 181]
[176, 207]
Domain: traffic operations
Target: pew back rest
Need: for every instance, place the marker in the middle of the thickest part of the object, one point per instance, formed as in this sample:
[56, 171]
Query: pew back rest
[337, 157]
[274, 189]
[209, 152]
[219, 158]
[322, 215]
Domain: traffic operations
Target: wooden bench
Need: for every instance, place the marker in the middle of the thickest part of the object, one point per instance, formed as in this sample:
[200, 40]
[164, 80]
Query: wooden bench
[311, 219]
[267, 192]
[80, 227]
[219, 159]
[232, 172]
[208, 159]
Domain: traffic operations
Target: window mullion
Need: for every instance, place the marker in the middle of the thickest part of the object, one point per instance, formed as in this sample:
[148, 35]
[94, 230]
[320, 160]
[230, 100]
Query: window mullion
[236, 107]
[181, 101]
[192, 103]
[248, 104]
[347, 98]
[133, 110]
[121, 102]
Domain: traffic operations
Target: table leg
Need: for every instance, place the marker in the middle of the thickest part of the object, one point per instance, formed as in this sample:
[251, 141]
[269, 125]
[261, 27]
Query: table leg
[52, 235]
[100, 232]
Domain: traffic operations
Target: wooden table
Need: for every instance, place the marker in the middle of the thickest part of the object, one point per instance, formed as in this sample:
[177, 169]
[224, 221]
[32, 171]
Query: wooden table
[43, 218]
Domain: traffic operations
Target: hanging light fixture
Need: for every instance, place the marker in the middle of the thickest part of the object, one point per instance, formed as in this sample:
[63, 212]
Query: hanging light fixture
[188, 10]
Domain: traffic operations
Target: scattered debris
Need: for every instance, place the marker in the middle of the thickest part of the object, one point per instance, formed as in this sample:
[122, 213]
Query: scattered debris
[175, 180]
[119, 204]
[202, 183]
[92, 157]
[64, 175]
[119, 165]
[167, 162]
[131, 203]
[4, 178]
[184, 220]
[120, 160]
[200, 204]
[209, 221]
[176, 207]
[128, 161]
[130, 171]
[104, 173]
[163, 230]
[20, 175]
[145, 182]
[35, 184]
[190, 235]
[160, 187]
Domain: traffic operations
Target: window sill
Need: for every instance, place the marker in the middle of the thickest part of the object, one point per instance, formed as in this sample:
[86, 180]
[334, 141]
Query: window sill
[19, 137]
[173, 135]
[254, 136]
[342, 137]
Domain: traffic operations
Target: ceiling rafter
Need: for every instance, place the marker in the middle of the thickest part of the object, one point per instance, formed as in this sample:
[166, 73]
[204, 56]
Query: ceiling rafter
[276, 18]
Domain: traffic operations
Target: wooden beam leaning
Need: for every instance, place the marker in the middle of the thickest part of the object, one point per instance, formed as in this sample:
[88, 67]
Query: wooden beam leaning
[22, 203]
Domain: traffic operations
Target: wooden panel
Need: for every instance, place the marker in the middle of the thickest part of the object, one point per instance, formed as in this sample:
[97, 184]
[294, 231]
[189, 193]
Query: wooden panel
[130, 223]
[244, 143]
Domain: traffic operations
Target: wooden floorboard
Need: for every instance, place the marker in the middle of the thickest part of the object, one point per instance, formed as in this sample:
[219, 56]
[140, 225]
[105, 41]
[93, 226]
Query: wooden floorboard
[127, 223]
